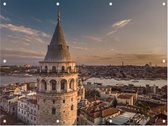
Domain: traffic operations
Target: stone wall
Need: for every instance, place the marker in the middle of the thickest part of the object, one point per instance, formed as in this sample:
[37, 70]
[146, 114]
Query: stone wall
[62, 102]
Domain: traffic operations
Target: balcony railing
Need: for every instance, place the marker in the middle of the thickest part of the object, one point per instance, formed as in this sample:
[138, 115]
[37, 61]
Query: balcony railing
[51, 73]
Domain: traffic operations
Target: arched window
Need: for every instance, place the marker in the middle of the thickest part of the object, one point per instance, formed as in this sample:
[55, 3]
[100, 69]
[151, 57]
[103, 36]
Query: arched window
[63, 84]
[53, 84]
[37, 83]
[46, 68]
[72, 107]
[63, 69]
[71, 84]
[53, 111]
[53, 69]
[69, 69]
[44, 84]
[37, 80]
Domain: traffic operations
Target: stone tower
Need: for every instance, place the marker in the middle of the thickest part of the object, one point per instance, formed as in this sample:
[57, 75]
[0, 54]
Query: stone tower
[57, 83]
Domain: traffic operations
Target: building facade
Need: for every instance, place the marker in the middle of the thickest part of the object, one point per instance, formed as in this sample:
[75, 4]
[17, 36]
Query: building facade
[57, 84]
[96, 113]
[27, 110]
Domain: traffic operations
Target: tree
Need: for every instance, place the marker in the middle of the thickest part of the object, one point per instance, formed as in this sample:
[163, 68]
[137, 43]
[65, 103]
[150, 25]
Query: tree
[145, 109]
[114, 103]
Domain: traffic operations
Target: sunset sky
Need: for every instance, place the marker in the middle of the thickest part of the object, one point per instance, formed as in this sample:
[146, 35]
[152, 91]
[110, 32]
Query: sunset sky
[132, 31]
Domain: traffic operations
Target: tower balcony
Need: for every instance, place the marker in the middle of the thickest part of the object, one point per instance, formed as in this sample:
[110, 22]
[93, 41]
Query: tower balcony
[52, 73]
[55, 92]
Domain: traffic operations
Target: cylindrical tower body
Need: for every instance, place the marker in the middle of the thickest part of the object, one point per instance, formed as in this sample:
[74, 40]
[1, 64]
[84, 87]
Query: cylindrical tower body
[57, 84]
[57, 94]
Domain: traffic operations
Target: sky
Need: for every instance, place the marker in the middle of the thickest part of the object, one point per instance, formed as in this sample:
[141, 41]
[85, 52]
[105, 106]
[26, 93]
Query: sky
[129, 31]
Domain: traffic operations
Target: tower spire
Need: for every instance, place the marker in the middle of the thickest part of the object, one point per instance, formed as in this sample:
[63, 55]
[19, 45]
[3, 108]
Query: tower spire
[58, 49]
[58, 14]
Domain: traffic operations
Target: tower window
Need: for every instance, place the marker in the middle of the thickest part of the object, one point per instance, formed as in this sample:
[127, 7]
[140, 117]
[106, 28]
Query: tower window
[53, 101]
[72, 107]
[44, 84]
[63, 84]
[46, 68]
[53, 111]
[63, 69]
[63, 101]
[53, 69]
[53, 84]
[71, 85]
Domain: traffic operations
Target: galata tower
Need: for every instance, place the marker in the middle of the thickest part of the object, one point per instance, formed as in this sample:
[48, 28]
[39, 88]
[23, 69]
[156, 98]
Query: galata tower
[57, 83]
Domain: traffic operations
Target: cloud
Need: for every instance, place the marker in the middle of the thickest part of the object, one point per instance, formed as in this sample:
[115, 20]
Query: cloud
[111, 33]
[110, 50]
[80, 48]
[4, 18]
[117, 58]
[26, 34]
[94, 38]
[20, 29]
[37, 20]
[121, 24]
[21, 53]
[52, 22]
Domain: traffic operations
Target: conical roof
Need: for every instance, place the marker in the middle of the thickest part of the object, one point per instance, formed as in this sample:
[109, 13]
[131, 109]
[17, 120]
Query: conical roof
[58, 51]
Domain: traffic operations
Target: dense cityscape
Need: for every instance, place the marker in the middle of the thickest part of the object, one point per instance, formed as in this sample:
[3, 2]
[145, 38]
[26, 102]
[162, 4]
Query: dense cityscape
[59, 92]
[144, 104]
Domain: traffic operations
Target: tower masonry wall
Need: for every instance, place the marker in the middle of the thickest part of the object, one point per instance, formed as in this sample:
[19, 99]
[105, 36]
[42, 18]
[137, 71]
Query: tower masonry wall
[65, 105]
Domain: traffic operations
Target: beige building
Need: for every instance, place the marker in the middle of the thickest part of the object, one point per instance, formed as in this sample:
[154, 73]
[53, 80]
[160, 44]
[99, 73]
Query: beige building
[125, 99]
[9, 104]
[96, 114]
[57, 84]
[81, 91]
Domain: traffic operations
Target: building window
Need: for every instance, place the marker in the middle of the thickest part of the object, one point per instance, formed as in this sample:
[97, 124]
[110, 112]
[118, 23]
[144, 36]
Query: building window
[63, 101]
[71, 85]
[53, 69]
[44, 84]
[72, 107]
[46, 68]
[63, 69]
[53, 111]
[53, 101]
[34, 118]
[70, 69]
[63, 84]
[71, 99]
[44, 100]
[53, 84]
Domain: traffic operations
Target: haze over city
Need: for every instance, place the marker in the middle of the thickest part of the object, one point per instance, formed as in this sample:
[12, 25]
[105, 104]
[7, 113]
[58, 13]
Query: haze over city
[132, 31]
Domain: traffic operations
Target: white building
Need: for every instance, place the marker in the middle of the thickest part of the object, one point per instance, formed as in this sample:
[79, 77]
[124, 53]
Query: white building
[27, 110]
[148, 99]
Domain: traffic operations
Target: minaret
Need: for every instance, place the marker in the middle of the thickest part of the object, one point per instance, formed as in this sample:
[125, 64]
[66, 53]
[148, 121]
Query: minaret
[57, 83]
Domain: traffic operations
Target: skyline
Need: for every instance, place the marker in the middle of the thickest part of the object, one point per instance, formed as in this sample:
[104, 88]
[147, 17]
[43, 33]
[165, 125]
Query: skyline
[121, 32]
